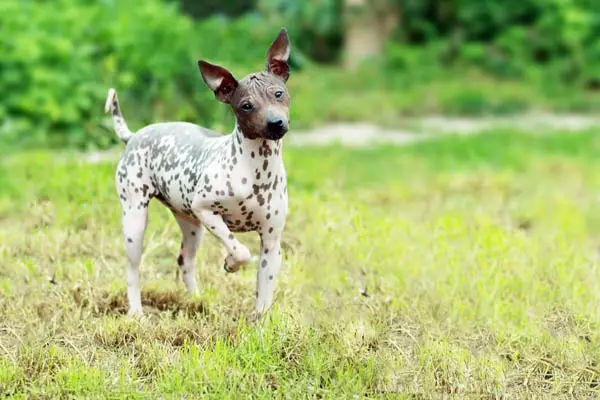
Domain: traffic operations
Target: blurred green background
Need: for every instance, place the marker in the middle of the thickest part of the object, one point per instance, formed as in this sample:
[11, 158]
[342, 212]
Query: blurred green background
[353, 60]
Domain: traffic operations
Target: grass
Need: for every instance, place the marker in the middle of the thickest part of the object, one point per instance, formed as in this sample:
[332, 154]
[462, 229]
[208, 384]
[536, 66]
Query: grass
[464, 266]
[322, 95]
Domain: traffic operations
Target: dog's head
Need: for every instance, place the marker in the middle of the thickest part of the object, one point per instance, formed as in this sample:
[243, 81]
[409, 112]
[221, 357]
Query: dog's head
[260, 101]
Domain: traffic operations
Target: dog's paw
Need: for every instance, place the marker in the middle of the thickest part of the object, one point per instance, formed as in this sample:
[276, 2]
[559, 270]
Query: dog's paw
[135, 313]
[233, 262]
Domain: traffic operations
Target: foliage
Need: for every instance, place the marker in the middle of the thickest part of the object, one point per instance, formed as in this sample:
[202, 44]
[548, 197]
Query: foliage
[60, 58]
[466, 265]
[206, 8]
[510, 38]
[507, 38]
[469, 57]
[316, 25]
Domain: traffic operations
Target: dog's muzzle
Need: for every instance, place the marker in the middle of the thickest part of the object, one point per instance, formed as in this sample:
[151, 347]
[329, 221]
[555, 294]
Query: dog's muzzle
[276, 128]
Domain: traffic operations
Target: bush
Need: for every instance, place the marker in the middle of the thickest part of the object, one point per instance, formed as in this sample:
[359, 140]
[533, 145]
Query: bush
[511, 38]
[59, 59]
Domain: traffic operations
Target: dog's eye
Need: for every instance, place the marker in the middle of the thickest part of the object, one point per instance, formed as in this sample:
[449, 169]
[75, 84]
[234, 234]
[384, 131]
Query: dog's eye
[246, 106]
[278, 93]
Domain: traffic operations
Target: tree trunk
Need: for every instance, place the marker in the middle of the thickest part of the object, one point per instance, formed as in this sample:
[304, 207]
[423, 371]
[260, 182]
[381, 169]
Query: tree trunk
[368, 24]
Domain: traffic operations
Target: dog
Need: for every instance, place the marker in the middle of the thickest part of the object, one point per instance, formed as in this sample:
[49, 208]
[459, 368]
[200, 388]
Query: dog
[220, 183]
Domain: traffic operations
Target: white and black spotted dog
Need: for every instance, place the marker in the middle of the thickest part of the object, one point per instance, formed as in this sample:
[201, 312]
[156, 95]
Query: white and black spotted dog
[222, 183]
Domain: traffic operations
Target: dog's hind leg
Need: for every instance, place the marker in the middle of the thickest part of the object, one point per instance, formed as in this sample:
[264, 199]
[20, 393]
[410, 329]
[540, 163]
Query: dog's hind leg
[135, 198]
[192, 234]
[134, 226]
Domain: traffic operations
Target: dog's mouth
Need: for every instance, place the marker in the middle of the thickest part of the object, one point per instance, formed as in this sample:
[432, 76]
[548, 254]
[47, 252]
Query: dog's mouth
[270, 134]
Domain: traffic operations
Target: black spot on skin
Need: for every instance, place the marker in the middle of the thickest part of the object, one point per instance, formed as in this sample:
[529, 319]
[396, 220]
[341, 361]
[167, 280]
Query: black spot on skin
[264, 263]
[265, 165]
[271, 230]
[244, 180]
[270, 277]
[260, 199]
[193, 233]
[252, 154]
[216, 176]
[257, 175]
[269, 175]
[266, 251]
[276, 212]
[241, 203]
[268, 216]
[230, 236]
[180, 260]
[234, 160]
[130, 240]
[206, 180]
[256, 188]
[212, 227]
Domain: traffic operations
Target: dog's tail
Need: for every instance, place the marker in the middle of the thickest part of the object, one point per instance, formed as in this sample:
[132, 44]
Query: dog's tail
[112, 106]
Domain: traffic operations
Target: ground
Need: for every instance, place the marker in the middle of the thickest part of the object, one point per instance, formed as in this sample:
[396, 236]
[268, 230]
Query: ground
[464, 265]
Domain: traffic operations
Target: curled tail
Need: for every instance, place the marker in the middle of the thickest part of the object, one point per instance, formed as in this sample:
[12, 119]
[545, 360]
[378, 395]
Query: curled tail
[112, 106]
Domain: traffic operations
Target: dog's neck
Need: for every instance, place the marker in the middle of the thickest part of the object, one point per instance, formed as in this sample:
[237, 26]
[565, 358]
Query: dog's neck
[262, 154]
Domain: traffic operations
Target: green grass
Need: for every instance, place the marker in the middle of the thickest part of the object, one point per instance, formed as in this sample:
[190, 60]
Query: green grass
[321, 95]
[463, 266]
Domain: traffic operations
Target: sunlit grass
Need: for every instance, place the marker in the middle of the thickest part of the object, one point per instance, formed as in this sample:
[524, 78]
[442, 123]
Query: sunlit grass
[462, 266]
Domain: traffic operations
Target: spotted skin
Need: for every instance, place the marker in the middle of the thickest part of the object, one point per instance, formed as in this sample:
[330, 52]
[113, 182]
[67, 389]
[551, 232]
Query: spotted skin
[220, 183]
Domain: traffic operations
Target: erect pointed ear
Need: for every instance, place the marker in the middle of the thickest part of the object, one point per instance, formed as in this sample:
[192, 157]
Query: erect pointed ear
[219, 80]
[278, 55]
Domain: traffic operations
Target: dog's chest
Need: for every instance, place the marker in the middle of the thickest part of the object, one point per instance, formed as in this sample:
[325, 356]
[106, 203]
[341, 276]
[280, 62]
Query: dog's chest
[261, 205]
[250, 195]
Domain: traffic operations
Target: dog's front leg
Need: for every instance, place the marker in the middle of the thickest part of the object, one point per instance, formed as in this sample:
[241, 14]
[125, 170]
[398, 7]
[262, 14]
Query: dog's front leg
[268, 267]
[239, 254]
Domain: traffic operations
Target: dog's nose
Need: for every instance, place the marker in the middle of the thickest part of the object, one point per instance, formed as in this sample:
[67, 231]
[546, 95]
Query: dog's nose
[276, 125]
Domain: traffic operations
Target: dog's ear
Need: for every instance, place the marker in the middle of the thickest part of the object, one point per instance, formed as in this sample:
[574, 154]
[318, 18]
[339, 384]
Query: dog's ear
[278, 55]
[219, 80]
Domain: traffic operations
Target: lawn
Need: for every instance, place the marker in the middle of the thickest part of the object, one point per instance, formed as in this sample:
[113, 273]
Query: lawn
[466, 265]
